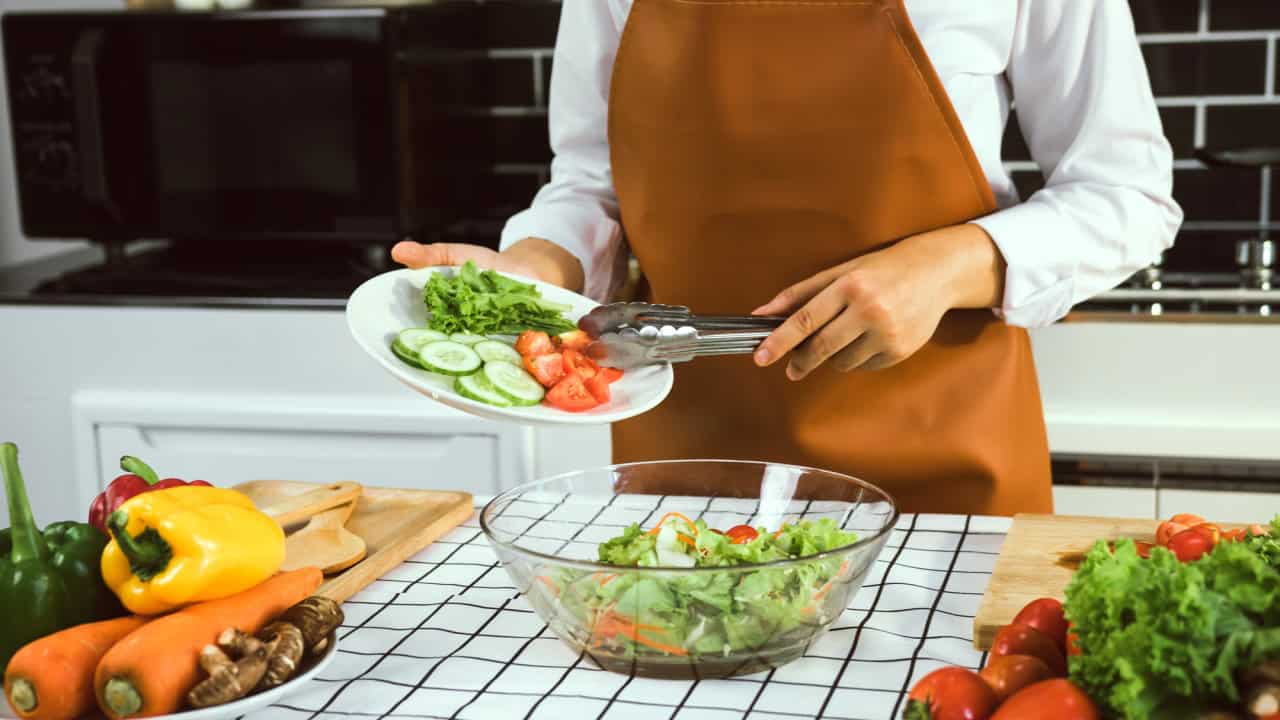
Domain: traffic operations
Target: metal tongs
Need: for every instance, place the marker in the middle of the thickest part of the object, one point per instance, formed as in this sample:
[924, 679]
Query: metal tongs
[632, 334]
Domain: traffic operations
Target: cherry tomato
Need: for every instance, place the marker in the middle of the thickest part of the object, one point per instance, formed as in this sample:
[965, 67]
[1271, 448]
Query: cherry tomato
[1046, 616]
[1008, 674]
[1026, 640]
[546, 369]
[572, 340]
[1234, 535]
[534, 342]
[741, 534]
[598, 386]
[576, 362]
[1190, 544]
[1144, 548]
[1056, 699]
[571, 395]
[951, 693]
[1213, 532]
[1167, 530]
[610, 374]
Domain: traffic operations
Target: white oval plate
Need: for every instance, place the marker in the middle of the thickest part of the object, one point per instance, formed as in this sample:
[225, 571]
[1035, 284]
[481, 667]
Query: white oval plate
[246, 705]
[384, 305]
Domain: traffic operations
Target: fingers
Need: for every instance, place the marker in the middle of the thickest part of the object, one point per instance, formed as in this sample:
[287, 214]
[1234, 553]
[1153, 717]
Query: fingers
[417, 255]
[831, 340]
[806, 321]
[802, 292]
[858, 354]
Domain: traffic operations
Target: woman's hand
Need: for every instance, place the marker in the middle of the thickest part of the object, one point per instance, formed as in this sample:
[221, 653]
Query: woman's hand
[532, 258]
[880, 308]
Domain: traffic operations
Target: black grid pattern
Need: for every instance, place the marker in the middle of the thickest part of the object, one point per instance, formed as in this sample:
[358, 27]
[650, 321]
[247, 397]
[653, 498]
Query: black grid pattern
[446, 635]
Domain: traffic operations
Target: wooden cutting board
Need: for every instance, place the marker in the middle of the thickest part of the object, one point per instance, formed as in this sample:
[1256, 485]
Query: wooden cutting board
[1038, 558]
[394, 523]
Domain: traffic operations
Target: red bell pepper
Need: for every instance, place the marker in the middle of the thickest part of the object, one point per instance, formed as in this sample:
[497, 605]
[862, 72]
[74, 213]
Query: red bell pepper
[138, 478]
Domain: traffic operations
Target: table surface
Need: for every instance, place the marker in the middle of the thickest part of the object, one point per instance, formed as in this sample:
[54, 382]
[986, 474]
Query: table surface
[446, 635]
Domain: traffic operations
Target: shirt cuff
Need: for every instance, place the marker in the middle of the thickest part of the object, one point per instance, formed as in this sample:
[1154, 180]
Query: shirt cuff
[1039, 279]
[595, 240]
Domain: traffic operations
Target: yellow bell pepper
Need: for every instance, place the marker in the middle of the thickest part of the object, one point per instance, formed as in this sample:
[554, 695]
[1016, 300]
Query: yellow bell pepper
[188, 544]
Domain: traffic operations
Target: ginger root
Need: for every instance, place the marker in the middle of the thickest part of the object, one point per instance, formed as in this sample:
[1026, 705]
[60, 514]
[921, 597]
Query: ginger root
[229, 680]
[284, 650]
[317, 617]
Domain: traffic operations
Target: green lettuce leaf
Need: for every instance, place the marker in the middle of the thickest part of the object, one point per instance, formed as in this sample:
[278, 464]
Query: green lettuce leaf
[486, 303]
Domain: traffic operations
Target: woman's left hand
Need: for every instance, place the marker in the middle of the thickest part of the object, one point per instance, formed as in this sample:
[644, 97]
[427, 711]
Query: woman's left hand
[880, 308]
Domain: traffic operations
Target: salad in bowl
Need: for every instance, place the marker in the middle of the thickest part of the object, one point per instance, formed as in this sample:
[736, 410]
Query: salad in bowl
[658, 569]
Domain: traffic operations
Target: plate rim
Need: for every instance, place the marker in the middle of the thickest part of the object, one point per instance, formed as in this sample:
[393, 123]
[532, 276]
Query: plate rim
[535, 415]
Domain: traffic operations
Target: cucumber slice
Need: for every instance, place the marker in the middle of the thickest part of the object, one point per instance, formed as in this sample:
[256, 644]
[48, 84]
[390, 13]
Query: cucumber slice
[407, 356]
[513, 382]
[466, 338]
[449, 358]
[491, 350]
[417, 338]
[476, 387]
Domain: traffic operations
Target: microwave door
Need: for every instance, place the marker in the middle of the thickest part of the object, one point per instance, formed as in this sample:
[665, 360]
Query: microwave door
[86, 91]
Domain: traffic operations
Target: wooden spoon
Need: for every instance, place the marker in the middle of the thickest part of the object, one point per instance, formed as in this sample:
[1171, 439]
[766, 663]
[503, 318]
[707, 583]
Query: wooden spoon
[325, 543]
[294, 510]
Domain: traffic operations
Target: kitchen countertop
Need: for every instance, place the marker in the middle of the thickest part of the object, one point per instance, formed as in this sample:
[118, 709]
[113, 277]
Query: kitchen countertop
[446, 635]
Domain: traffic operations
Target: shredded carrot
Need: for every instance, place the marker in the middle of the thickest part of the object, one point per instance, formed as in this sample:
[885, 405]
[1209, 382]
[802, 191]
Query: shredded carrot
[686, 540]
[550, 585]
[611, 624]
[657, 528]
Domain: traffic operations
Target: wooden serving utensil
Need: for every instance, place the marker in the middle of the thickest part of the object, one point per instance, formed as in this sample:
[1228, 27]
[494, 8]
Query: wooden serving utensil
[293, 510]
[325, 543]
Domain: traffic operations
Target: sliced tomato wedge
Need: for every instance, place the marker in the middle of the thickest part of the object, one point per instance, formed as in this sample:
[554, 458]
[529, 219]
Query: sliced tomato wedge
[572, 340]
[571, 394]
[577, 363]
[741, 534]
[598, 386]
[546, 369]
[610, 375]
[532, 343]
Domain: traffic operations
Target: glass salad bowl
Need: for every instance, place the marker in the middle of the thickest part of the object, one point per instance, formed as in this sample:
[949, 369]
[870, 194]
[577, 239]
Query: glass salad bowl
[690, 592]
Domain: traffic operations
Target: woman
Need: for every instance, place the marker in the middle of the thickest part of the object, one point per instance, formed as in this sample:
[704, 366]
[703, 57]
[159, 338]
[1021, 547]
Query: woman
[838, 161]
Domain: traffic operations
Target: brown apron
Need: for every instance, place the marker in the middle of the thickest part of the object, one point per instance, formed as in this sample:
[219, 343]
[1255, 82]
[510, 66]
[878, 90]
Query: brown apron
[755, 143]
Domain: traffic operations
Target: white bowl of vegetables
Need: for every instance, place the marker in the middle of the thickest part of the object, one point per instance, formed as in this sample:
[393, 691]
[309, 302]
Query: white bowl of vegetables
[454, 338]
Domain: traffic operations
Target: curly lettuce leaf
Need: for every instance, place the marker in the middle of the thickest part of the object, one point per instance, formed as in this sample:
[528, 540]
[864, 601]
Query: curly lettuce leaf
[1157, 635]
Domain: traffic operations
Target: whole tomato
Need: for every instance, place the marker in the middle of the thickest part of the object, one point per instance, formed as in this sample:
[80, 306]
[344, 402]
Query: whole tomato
[951, 693]
[1026, 640]
[1056, 699]
[1008, 674]
[1046, 616]
[1190, 544]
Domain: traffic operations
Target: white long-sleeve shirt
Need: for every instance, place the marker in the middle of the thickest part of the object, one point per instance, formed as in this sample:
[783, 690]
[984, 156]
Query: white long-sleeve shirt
[1085, 108]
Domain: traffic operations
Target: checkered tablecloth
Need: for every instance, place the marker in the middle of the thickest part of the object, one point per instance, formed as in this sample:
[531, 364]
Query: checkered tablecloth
[445, 635]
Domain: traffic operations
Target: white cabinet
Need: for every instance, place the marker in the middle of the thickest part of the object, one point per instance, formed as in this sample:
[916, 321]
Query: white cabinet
[1119, 502]
[1220, 505]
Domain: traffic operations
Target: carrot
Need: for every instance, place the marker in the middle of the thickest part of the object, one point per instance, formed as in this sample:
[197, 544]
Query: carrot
[150, 671]
[657, 528]
[52, 678]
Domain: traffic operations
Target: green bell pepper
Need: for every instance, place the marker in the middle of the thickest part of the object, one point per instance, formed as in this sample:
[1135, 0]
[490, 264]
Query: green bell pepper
[48, 581]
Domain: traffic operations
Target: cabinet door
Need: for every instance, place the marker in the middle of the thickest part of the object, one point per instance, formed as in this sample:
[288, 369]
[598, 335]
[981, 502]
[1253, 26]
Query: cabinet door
[1221, 506]
[1104, 501]
[228, 440]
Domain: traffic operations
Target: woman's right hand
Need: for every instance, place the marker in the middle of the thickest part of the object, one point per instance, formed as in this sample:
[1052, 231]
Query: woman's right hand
[532, 258]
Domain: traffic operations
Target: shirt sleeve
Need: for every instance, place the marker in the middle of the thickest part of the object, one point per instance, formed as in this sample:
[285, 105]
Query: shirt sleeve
[578, 208]
[1085, 106]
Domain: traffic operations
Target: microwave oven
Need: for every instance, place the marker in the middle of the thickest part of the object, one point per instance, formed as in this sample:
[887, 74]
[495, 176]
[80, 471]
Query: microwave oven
[334, 124]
